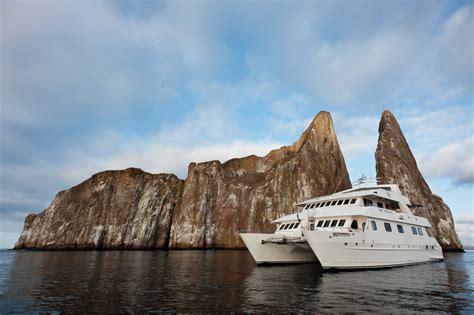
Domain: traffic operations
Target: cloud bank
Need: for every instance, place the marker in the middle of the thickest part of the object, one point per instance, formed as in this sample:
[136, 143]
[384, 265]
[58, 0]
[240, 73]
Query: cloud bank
[88, 86]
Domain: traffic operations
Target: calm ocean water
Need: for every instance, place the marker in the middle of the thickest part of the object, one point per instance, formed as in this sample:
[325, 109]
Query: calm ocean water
[223, 281]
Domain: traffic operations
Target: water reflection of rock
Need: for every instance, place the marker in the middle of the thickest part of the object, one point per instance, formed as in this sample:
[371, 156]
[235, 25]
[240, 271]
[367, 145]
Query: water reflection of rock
[113, 281]
[225, 281]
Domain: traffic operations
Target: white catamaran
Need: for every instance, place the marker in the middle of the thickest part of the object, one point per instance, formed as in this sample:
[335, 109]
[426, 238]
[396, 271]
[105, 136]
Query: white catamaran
[368, 226]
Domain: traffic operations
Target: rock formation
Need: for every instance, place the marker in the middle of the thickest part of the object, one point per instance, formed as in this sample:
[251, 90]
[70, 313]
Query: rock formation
[247, 194]
[112, 209]
[134, 209]
[396, 165]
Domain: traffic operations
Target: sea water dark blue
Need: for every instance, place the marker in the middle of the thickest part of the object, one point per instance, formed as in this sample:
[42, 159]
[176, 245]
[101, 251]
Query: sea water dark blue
[223, 281]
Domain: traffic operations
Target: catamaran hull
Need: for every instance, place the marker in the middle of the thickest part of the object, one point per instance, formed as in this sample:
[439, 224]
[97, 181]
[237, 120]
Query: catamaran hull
[354, 253]
[274, 253]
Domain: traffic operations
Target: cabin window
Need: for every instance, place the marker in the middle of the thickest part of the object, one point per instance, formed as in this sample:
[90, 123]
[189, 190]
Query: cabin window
[291, 226]
[333, 203]
[380, 204]
[388, 227]
[346, 201]
[326, 223]
[318, 205]
[368, 202]
[333, 223]
[340, 202]
[286, 226]
[312, 206]
[374, 225]
[400, 228]
[320, 223]
[282, 227]
[306, 207]
[341, 222]
[387, 205]
[354, 225]
[353, 201]
[420, 231]
[323, 204]
[296, 225]
[413, 230]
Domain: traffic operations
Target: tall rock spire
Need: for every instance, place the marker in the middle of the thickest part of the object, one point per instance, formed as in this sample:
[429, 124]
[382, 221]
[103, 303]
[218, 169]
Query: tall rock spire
[396, 164]
[246, 194]
[137, 210]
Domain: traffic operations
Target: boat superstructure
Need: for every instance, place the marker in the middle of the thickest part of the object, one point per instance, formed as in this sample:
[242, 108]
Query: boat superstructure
[286, 245]
[368, 226]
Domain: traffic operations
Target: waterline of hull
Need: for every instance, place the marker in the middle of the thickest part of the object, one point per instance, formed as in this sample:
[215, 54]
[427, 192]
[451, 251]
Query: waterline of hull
[339, 254]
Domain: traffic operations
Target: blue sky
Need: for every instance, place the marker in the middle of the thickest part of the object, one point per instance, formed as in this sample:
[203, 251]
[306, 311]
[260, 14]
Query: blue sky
[94, 85]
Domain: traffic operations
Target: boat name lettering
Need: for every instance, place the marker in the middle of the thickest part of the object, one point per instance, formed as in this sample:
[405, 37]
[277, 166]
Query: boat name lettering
[341, 234]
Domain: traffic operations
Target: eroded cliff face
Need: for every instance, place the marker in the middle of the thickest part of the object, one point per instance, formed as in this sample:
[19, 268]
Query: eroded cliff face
[396, 165]
[110, 210]
[134, 209]
[222, 199]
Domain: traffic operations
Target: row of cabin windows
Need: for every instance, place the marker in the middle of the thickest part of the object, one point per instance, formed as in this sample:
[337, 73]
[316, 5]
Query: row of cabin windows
[370, 203]
[331, 203]
[289, 226]
[333, 223]
[388, 228]
[354, 225]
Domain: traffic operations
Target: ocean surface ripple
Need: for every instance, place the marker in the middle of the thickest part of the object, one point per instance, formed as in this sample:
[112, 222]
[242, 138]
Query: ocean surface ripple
[223, 281]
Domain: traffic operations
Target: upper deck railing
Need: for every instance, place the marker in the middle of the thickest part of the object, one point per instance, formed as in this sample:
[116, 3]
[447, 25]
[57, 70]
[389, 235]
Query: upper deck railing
[365, 181]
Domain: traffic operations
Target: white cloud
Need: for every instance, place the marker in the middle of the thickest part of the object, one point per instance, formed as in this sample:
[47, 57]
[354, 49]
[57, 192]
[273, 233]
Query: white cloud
[441, 141]
[286, 115]
[465, 230]
[210, 132]
[356, 134]
[76, 57]
[67, 62]
[456, 50]
[455, 161]
[446, 125]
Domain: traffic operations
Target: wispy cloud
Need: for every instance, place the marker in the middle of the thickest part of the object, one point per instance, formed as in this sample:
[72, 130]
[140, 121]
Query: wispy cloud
[454, 161]
[88, 86]
[465, 230]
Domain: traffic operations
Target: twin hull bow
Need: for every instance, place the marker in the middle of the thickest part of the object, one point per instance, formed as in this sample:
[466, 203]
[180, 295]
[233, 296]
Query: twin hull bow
[274, 249]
